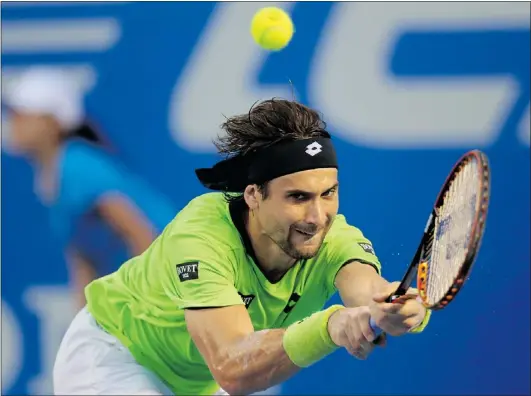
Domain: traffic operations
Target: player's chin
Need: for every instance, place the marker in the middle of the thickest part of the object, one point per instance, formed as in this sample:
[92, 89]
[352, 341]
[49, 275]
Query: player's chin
[305, 251]
[305, 246]
[306, 254]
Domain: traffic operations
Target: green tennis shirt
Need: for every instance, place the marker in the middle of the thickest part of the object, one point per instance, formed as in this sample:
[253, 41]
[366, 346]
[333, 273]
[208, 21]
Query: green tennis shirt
[201, 260]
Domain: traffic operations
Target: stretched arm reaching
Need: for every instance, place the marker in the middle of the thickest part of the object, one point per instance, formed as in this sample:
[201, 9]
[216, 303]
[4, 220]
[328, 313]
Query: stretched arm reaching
[243, 361]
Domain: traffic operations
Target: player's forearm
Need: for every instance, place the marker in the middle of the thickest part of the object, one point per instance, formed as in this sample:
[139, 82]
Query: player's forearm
[358, 283]
[364, 296]
[266, 358]
[255, 363]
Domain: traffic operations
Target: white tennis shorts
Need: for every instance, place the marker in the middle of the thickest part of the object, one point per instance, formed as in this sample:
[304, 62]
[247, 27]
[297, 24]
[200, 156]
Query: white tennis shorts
[92, 362]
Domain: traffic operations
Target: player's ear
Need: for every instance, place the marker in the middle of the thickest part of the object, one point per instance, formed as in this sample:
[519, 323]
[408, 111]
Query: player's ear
[250, 194]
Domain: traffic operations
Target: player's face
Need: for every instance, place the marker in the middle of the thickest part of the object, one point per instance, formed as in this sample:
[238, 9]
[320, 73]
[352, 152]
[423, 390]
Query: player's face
[29, 132]
[299, 210]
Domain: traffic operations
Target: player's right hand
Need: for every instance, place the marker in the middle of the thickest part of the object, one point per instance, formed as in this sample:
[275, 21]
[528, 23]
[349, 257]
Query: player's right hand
[350, 328]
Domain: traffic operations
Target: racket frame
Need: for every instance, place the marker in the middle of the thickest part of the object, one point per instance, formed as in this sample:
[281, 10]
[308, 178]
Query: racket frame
[420, 268]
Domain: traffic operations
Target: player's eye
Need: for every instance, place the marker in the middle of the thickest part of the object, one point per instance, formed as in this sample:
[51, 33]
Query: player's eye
[329, 193]
[298, 197]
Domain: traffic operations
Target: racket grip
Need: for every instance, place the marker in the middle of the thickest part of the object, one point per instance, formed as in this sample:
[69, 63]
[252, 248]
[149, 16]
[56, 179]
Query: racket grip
[375, 328]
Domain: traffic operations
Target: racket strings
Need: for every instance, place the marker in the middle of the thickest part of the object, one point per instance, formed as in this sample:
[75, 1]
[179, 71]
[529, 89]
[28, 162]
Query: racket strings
[451, 234]
[428, 246]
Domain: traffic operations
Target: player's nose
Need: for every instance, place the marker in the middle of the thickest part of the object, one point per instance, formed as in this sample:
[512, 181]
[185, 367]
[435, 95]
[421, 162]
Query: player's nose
[316, 214]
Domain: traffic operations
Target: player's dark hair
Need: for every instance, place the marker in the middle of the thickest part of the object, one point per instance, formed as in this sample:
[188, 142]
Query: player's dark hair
[267, 123]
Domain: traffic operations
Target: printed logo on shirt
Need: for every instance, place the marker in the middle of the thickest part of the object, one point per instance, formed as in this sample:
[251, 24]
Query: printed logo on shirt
[247, 299]
[188, 271]
[367, 247]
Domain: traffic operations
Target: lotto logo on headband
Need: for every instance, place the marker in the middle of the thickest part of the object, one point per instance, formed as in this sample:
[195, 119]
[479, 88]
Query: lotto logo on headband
[313, 149]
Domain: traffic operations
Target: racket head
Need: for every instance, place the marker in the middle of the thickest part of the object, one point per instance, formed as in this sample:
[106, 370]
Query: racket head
[453, 237]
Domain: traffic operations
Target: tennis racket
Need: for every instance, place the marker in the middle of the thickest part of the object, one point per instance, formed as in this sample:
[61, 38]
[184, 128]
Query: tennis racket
[452, 236]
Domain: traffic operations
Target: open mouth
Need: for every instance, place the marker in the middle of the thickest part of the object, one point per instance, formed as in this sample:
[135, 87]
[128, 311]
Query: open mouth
[306, 234]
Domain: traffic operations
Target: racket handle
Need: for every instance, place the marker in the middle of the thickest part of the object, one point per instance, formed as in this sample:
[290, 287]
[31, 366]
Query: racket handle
[375, 328]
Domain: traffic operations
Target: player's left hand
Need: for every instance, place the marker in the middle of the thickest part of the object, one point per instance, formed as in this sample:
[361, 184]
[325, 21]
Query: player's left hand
[399, 317]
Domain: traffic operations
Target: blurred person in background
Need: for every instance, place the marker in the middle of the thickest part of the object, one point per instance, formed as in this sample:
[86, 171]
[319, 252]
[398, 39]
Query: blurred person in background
[99, 211]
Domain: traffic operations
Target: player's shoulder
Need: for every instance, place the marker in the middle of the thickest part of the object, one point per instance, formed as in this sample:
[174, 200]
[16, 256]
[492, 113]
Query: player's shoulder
[342, 233]
[341, 228]
[206, 220]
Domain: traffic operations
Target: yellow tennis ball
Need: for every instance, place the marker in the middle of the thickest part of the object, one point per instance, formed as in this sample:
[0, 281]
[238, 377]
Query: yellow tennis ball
[272, 28]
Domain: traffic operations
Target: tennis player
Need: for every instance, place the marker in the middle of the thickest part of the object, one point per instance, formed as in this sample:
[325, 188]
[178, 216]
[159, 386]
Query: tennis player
[231, 295]
[100, 213]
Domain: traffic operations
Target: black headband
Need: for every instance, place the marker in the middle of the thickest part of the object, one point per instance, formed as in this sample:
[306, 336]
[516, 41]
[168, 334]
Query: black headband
[236, 173]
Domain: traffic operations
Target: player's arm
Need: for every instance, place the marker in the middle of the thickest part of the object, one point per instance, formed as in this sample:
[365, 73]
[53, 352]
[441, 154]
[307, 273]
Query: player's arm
[358, 283]
[244, 361]
[354, 268]
[241, 360]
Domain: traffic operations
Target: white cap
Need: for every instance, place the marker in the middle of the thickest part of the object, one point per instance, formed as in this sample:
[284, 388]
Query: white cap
[50, 91]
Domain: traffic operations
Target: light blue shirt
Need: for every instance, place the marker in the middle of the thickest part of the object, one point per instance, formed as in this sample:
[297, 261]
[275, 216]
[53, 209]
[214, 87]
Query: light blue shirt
[86, 174]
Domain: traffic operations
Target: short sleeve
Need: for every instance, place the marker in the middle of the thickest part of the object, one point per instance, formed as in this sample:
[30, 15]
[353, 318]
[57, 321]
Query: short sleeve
[87, 175]
[199, 274]
[346, 243]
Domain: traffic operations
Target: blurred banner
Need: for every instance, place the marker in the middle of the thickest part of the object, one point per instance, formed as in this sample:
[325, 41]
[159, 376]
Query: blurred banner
[406, 88]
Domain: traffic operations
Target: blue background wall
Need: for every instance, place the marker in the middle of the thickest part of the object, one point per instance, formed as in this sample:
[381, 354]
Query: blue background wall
[406, 88]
